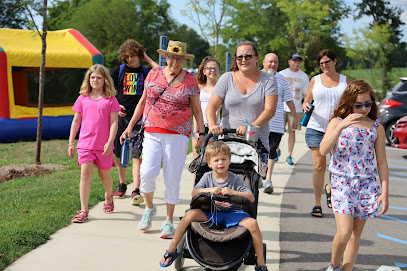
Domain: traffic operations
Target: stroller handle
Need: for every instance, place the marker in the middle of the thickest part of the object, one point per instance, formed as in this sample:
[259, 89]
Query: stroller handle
[210, 135]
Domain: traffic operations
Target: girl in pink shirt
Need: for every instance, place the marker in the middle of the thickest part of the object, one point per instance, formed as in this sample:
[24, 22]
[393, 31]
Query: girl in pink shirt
[96, 111]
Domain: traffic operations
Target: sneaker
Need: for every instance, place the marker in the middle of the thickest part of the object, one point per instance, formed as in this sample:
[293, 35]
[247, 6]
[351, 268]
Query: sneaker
[260, 268]
[121, 191]
[289, 160]
[145, 222]
[278, 153]
[136, 198]
[168, 230]
[260, 183]
[276, 159]
[268, 187]
[331, 268]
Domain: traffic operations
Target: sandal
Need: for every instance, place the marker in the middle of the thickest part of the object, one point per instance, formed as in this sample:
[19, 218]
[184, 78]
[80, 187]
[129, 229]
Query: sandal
[80, 217]
[167, 255]
[317, 211]
[108, 208]
[328, 198]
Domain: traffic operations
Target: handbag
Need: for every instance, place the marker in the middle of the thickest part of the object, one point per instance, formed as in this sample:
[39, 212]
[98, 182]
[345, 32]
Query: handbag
[139, 137]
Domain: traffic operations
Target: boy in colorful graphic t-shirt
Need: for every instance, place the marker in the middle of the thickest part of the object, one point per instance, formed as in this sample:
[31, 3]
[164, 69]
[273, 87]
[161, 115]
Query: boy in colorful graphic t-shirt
[129, 81]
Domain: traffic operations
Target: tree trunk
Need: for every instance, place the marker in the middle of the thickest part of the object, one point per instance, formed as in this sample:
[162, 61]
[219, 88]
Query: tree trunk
[384, 79]
[41, 84]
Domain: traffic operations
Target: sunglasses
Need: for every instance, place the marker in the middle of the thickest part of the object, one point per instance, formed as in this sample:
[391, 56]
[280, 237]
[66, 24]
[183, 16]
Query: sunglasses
[360, 105]
[212, 68]
[325, 62]
[174, 58]
[247, 57]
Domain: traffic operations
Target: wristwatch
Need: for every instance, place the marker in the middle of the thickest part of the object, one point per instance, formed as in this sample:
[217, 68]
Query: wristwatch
[202, 134]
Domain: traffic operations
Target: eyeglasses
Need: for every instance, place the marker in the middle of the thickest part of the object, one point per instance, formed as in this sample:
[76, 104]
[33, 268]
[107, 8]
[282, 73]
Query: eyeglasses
[325, 62]
[247, 57]
[366, 104]
[174, 58]
[212, 68]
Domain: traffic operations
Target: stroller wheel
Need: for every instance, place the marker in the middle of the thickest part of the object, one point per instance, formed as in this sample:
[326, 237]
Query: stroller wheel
[179, 262]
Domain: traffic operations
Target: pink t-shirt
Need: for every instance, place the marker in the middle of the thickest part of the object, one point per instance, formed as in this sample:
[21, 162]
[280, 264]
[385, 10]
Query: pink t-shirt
[172, 110]
[95, 126]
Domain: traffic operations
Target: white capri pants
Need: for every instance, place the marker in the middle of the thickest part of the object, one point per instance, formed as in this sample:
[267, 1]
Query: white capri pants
[171, 150]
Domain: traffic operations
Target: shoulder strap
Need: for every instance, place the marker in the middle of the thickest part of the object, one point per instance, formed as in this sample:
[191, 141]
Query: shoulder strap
[146, 70]
[120, 76]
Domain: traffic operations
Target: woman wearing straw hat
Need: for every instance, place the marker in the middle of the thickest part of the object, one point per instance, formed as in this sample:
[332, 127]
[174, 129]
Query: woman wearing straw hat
[170, 96]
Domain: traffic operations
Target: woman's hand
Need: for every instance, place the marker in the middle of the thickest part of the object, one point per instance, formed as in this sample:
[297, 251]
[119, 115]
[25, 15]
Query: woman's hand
[216, 130]
[306, 107]
[199, 143]
[126, 134]
[241, 130]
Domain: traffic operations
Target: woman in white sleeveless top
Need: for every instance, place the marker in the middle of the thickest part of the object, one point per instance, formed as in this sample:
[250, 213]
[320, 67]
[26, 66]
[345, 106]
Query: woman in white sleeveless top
[208, 73]
[324, 91]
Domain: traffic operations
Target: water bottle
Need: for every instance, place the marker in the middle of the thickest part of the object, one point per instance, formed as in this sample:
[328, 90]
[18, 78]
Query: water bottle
[124, 157]
[307, 115]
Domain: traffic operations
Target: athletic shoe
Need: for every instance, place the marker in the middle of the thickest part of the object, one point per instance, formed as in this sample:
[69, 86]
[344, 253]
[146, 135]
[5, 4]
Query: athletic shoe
[145, 223]
[289, 160]
[121, 191]
[276, 159]
[278, 153]
[168, 230]
[260, 268]
[268, 187]
[136, 198]
[331, 268]
[260, 183]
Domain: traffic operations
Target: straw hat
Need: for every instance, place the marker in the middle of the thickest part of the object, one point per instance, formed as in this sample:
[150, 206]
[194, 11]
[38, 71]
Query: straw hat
[176, 48]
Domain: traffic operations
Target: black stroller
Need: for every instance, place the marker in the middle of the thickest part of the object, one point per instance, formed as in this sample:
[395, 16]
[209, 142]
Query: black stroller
[224, 248]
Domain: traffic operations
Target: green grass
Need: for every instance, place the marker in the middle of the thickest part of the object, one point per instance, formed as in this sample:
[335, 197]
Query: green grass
[374, 77]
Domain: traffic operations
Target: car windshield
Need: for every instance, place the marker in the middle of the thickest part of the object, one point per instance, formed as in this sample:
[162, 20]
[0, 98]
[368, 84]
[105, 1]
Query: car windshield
[400, 87]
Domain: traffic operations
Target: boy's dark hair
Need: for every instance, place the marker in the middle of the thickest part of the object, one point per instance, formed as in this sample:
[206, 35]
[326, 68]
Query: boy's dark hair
[326, 52]
[130, 45]
[216, 147]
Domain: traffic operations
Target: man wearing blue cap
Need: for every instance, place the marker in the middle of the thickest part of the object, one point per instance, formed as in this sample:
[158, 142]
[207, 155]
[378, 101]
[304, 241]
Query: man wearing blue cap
[298, 82]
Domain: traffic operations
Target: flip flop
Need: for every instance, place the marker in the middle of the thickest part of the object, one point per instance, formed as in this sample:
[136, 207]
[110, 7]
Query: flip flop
[173, 256]
[317, 211]
[328, 198]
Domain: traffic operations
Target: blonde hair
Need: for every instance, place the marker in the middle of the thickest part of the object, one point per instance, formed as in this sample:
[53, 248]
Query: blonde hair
[216, 147]
[108, 86]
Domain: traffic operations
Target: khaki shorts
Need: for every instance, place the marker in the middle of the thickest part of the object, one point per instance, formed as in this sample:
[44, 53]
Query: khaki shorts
[289, 118]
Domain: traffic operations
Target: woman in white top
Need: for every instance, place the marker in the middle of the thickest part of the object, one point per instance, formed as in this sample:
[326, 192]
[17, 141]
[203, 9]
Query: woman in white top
[324, 90]
[208, 73]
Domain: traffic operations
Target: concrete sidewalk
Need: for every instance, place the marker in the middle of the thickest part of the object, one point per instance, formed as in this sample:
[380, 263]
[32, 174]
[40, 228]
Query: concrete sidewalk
[114, 242]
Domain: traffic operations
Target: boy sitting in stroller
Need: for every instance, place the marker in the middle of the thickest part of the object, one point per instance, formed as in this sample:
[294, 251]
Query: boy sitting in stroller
[219, 181]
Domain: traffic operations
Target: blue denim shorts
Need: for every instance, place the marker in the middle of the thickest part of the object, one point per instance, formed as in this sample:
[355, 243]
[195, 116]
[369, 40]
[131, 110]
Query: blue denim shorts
[313, 137]
[228, 218]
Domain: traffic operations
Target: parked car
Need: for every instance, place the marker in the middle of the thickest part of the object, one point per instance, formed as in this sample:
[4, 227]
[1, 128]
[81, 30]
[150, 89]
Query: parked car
[400, 132]
[393, 107]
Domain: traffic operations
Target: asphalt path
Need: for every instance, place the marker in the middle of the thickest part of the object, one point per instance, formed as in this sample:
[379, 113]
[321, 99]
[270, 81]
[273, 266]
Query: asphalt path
[306, 241]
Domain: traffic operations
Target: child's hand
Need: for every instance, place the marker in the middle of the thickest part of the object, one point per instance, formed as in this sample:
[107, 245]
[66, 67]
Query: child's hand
[350, 119]
[107, 149]
[215, 190]
[227, 191]
[122, 111]
[71, 151]
[383, 200]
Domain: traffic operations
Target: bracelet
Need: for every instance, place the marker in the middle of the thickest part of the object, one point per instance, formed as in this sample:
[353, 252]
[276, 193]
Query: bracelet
[70, 144]
[196, 132]
[202, 134]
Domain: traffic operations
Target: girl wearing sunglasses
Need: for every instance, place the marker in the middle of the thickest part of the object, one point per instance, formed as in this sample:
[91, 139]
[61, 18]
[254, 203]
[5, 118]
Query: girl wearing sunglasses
[354, 134]
[324, 90]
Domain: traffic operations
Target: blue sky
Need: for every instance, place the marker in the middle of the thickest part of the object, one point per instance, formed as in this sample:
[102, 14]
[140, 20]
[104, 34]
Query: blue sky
[346, 25]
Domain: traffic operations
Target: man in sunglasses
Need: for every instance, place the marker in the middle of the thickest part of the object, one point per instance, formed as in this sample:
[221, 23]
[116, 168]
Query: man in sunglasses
[298, 82]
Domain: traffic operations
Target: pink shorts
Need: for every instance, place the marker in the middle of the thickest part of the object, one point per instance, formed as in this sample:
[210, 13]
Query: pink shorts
[102, 162]
[356, 197]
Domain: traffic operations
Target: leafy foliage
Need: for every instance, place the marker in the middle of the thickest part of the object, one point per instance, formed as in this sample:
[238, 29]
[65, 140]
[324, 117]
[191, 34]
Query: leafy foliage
[12, 14]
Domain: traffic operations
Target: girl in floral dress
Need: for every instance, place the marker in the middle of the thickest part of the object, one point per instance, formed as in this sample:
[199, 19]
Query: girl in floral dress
[354, 134]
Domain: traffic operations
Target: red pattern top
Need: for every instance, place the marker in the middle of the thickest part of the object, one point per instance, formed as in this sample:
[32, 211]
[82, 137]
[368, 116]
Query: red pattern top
[172, 110]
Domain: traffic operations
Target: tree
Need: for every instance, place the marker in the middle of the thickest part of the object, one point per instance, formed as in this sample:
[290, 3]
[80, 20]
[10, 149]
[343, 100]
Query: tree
[208, 16]
[43, 35]
[108, 23]
[12, 14]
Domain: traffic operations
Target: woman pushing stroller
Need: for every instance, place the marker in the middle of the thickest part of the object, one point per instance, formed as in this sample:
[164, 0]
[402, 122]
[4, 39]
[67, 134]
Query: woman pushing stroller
[219, 181]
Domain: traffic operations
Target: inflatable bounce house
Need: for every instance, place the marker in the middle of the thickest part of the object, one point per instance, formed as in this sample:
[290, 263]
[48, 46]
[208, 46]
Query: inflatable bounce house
[69, 54]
